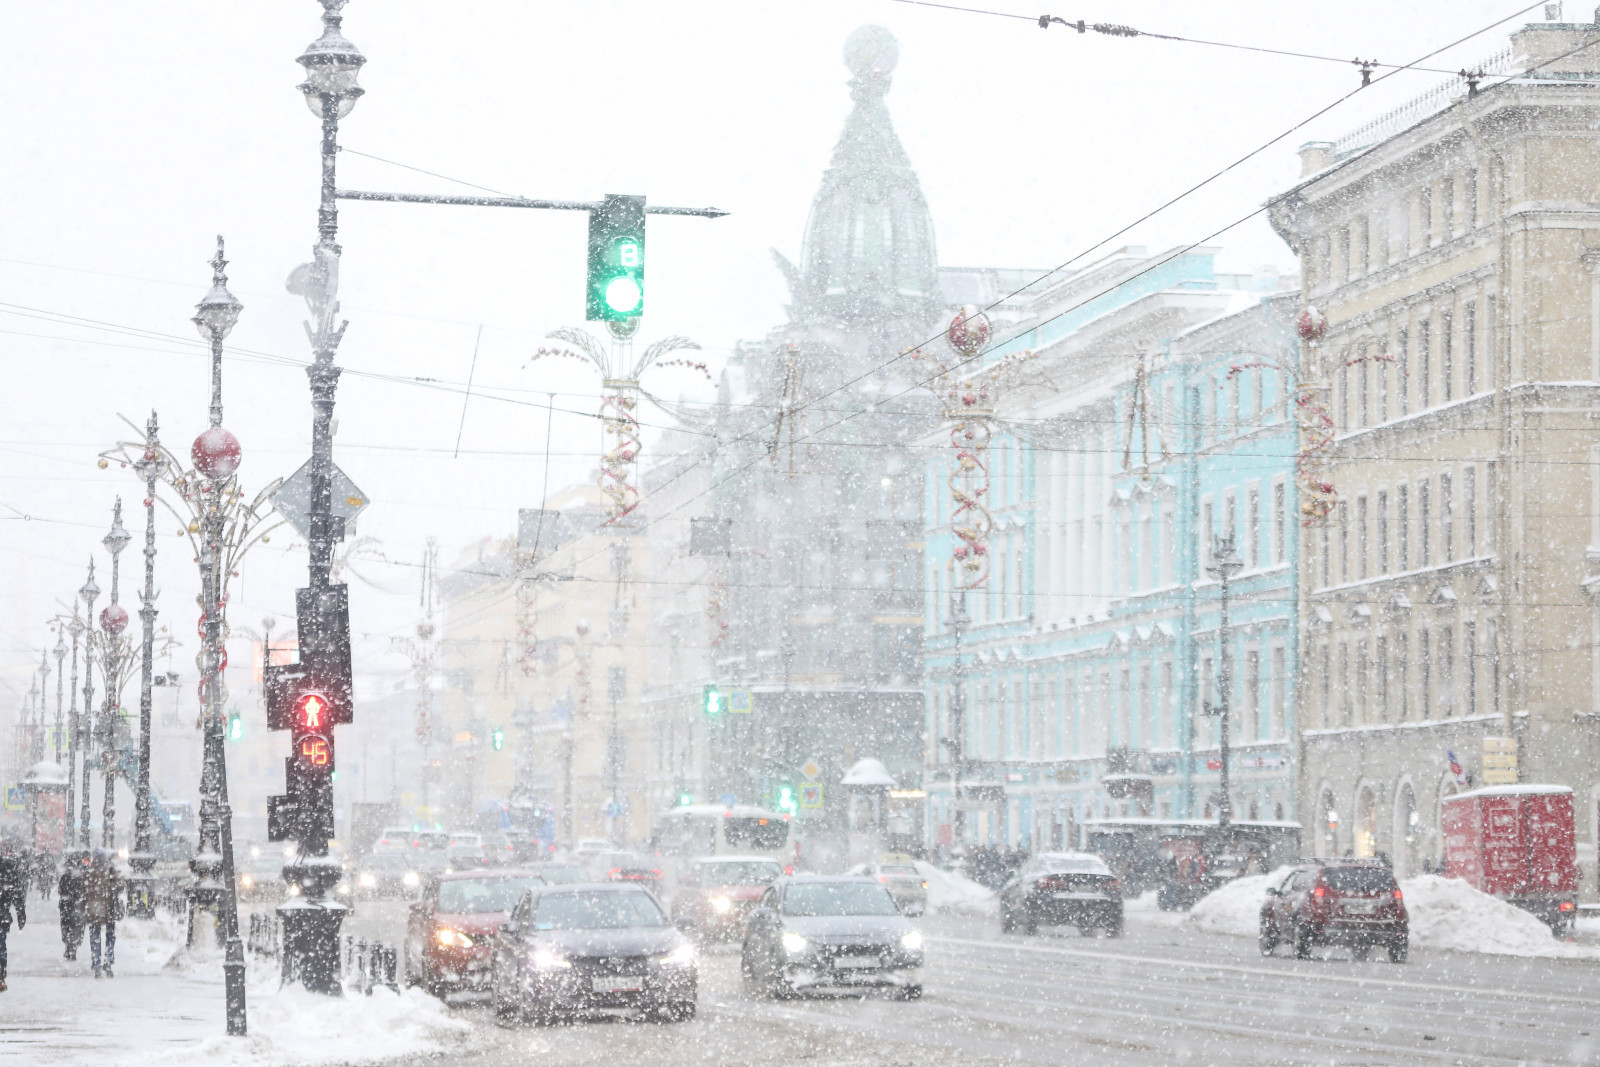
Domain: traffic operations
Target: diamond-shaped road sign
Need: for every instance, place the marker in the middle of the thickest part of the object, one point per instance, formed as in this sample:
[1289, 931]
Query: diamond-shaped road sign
[293, 499]
[810, 769]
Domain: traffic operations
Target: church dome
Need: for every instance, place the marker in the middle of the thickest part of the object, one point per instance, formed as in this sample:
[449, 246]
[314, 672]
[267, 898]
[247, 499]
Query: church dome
[869, 252]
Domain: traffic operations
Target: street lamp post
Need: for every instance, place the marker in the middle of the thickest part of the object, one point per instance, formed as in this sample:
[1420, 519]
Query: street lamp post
[141, 895]
[90, 592]
[216, 456]
[76, 628]
[113, 620]
[61, 654]
[1224, 565]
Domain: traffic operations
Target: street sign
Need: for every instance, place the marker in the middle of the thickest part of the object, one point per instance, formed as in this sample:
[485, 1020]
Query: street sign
[740, 701]
[811, 795]
[1499, 761]
[810, 769]
[293, 500]
[14, 798]
[729, 800]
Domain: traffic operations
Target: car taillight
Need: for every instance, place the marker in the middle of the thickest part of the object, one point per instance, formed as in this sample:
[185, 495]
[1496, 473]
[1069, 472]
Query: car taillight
[884, 878]
[613, 872]
[1565, 905]
[656, 871]
[789, 869]
[1320, 891]
[1398, 895]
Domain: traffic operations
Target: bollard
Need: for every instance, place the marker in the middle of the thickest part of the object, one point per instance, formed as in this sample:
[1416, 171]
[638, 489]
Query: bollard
[389, 969]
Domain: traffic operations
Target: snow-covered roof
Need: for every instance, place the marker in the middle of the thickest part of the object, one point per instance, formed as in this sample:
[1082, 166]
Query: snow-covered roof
[869, 772]
[1528, 790]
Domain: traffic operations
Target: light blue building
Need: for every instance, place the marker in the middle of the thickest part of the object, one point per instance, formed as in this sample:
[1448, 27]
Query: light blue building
[1155, 416]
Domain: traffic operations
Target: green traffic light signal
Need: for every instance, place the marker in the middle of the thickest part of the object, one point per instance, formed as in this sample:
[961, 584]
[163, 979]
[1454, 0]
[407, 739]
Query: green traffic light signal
[235, 728]
[498, 739]
[786, 799]
[616, 260]
[711, 701]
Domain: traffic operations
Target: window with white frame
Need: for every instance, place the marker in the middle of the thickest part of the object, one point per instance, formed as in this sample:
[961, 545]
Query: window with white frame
[1252, 526]
[1280, 521]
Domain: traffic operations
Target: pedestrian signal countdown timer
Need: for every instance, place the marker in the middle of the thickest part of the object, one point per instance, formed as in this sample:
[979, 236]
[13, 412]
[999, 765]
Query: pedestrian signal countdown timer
[712, 701]
[314, 750]
[616, 259]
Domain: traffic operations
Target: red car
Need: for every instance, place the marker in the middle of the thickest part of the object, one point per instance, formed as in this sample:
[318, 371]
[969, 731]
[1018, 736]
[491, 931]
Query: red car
[448, 934]
[715, 894]
[1337, 902]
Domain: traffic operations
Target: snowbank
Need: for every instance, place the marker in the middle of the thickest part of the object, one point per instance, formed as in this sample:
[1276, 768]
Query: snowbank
[1448, 913]
[290, 1026]
[951, 894]
[1235, 908]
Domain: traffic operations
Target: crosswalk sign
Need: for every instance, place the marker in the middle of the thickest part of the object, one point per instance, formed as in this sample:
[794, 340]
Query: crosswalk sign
[14, 798]
[811, 794]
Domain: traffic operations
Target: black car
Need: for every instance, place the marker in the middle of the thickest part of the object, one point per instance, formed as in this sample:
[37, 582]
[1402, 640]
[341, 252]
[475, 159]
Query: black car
[814, 932]
[1063, 889]
[570, 949]
[1353, 902]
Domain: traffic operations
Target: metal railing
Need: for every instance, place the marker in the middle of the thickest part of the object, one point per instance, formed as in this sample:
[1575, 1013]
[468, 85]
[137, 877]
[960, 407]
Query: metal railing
[266, 935]
[369, 964]
[1413, 111]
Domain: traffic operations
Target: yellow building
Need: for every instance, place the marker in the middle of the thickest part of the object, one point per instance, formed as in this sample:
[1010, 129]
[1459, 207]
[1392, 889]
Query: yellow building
[1454, 247]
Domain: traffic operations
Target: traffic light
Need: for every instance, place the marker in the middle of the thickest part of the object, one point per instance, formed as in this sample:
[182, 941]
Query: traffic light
[712, 702]
[616, 259]
[312, 730]
[498, 739]
[298, 702]
[787, 802]
[235, 727]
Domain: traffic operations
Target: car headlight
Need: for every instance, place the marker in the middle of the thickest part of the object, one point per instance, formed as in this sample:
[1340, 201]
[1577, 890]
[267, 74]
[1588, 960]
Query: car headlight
[411, 879]
[912, 942]
[294, 891]
[368, 881]
[344, 887]
[453, 938]
[546, 960]
[794, 944]
[720, 904]
[247, 881]
[682, 956]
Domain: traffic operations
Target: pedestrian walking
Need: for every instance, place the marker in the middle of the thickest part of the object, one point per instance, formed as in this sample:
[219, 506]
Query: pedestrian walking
[13, 895]
[103, 891]
[44, 871]
[69, 891]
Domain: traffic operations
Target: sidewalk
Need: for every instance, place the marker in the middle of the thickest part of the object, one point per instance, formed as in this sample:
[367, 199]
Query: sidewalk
[165, 1006]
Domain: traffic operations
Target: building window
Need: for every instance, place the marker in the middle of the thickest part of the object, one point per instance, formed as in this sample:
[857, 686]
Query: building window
[1280, 681]
[1469, 663]
[1381, 370]
[1425, 217]
[1402, 677]
[1424, 538]
[1425, 676]
[1252, 694]
[1494, 667]
[1403, 528]
[1230, 519]
[1383, 531]
[1361, 370]
[1208, 531]
[1145, 705]
[1345, 422]
[1469, 348]
[1343, 508]
[1327, 557]
[1447, 519]
[1447, 209]
[1381, 677]
[1361, 535]
[1469, 200]
[1020, 588]
[1469, 510]
[1280, 522]
[1164, 723]
[1424, 364]
[1447, 678]
[1169, 544]
[1208, 696]
[1327, 684]
[1347, 705]
[1446, 355]
[1363, 688]
[1252, 526]
[1402, 377]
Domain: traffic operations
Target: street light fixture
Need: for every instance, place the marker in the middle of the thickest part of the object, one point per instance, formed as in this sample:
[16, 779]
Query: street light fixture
[141, 885]
[74, 734]
[1225, 563]
[89, 592]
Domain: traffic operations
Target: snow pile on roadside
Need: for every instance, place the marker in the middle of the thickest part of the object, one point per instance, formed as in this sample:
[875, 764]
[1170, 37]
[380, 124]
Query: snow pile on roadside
[156, 941]
[951, 894]
[290, 1026]
[1448, 913]
[1147, 908]
[1235, 907]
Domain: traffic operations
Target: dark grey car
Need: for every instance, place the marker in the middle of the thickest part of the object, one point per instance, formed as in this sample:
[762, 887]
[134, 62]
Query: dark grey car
[812, 932]
[570, 949]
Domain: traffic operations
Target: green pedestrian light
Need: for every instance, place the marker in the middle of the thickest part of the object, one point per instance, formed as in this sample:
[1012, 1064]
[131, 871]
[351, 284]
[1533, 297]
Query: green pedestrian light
[498, 740]
[712, 701]
[235, 728]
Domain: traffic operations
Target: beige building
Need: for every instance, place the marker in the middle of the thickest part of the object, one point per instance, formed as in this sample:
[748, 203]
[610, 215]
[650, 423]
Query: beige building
[1447, 601]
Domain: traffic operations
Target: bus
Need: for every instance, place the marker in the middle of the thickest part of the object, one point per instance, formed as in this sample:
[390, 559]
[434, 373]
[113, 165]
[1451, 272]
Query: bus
[694, 831]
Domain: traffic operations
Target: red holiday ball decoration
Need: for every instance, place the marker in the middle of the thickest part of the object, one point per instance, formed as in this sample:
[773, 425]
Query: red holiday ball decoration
[216, 453]
[114, 619]
[1312, 325]
[970, 331]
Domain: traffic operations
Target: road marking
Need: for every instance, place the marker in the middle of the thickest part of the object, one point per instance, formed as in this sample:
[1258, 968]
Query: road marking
[1268, 972]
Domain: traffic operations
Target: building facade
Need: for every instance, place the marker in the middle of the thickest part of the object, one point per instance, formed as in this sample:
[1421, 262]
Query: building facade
[1449, 605]
[1152, 415]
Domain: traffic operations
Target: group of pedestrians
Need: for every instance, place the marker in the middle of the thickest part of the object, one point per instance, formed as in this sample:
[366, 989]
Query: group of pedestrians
[91, 896]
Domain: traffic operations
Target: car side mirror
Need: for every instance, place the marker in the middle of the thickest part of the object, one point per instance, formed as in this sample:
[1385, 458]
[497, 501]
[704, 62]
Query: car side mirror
[685, 923]
[509, 930]
[1272, 891]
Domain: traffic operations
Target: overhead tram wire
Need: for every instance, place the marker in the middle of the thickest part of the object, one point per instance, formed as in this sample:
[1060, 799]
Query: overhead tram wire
[1112, 29]
[1056, 270]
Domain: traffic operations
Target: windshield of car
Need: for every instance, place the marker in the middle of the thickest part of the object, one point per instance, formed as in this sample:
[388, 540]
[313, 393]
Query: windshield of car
[431, 839]
[1074, 865]
[838, 898]
[735, 872]
[563, 875]
[897, 870]
[768, 835]
[597, 911]
[1358, 879]
[458, 895]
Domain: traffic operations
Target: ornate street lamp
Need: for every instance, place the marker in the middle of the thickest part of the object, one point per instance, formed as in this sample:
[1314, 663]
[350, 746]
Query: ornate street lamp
[113, 621]
[74, 735]
[88, 593]
[141, 884]
[61, 654]
[1225, 563]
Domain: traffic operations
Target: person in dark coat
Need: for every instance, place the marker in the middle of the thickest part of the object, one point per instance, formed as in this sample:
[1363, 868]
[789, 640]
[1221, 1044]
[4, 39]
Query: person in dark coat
[69, 891]
[44, 871]
[13, 895]
[103, 890]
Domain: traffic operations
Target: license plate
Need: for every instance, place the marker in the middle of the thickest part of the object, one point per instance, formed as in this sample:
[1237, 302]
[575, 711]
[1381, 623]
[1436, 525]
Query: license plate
[623, 984]
[857, 962]
[1361, 907]
[1077, 896]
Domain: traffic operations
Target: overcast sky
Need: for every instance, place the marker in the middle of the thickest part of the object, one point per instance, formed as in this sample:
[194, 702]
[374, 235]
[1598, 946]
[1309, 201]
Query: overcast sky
[136, 132]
